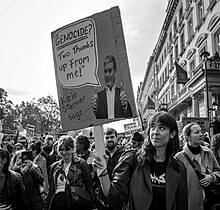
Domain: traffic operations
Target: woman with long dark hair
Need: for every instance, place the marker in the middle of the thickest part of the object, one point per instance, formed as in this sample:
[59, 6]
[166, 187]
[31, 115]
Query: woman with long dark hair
[12, 191]
[152, 179]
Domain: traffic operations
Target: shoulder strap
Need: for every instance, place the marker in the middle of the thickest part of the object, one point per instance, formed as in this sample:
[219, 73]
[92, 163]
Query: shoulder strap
[190, 161]
[196, 170]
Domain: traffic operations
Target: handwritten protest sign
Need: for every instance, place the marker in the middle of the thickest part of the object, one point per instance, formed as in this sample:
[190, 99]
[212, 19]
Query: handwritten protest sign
[81, 50]
[76, 54]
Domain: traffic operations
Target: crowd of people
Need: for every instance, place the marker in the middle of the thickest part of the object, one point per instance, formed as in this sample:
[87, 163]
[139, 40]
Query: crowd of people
[152, 170]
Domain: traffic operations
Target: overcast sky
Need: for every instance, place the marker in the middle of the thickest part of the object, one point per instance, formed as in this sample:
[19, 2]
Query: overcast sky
[27, 69]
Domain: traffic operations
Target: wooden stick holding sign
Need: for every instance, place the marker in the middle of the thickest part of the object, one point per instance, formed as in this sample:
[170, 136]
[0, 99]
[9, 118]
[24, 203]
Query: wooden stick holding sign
[99, 145]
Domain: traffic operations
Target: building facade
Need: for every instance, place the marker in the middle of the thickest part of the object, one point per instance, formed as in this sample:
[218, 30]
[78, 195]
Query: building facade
[189, 40]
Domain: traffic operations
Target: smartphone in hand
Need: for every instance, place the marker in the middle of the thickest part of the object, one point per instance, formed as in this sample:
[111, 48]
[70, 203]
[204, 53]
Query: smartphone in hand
[26, 155]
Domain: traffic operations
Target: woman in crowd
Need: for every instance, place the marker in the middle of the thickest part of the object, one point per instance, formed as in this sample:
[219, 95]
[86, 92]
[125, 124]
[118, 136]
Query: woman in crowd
[153, 179]
[17, 146]
[32, 178]
[49, 140]
[40, 161]
[69, 171]
[54, 155]
[204, 159]
[215, 146]
[12, 191]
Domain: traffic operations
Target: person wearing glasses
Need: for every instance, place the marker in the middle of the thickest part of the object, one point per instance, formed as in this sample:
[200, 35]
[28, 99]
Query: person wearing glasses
[69, 171]
[111, 102]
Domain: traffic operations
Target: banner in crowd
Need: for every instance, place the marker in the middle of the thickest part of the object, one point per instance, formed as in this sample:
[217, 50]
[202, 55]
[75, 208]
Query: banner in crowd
[92, 71]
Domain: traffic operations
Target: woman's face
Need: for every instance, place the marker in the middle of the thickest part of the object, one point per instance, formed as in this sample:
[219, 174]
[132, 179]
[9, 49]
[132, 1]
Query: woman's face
[160, 135]
[196, 136]
[19, 159]
[66, 153]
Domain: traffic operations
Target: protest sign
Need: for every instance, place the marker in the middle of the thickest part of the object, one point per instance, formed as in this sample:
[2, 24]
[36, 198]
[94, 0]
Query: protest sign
[30, 131]
[80, 50]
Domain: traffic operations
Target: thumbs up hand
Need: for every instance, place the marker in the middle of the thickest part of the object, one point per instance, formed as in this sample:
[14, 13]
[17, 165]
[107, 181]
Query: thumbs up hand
[94, 101]
[123, 97]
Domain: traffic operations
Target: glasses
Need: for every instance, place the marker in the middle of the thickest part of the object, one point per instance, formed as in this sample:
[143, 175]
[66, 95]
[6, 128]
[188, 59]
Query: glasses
[109, 137]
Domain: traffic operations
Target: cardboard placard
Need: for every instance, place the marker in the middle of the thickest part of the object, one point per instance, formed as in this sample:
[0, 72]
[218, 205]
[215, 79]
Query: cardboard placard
[80, 50]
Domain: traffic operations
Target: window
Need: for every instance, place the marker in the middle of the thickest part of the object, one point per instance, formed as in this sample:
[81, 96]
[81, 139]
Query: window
[202, 49]
[175, 26]
[171, 61]
[182, 41]
[170, 37]
[190, 27]
[180, 13]
[172, 91]
[192, 65]
[176, 50]
[188, 2]
[217, 41]
[200, 7]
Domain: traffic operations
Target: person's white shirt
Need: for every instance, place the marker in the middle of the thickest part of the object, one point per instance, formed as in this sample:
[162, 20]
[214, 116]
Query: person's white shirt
[111, 102]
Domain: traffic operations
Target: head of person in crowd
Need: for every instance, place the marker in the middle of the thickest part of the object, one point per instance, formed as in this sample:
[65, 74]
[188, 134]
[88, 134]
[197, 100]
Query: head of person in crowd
[4, 161]
[193, 135]
[54, 148]
[162, 133]
[49, 140]
[36, 148]
[215, 145]
[48, 143]
[82, 144]
[23, 140]
[66, 147]
[111, 139]
[137, 140]
[16, 161]
[18, 146]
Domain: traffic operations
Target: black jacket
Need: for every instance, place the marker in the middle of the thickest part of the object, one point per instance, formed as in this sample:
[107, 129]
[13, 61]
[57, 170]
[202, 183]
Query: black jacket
[79, 170]
[14, 191]
[112, 161]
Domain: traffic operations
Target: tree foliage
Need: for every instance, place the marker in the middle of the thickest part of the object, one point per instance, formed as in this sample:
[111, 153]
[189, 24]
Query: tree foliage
[43, 113]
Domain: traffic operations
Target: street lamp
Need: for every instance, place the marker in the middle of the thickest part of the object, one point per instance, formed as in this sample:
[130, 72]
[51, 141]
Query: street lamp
[204, 55]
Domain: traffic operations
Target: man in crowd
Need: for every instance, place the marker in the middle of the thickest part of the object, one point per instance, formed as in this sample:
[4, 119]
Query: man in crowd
[137, 140]
[111, 102]
[113, 152]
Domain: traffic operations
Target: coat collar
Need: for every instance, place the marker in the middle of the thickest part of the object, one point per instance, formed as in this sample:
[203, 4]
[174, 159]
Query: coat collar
[190, 154]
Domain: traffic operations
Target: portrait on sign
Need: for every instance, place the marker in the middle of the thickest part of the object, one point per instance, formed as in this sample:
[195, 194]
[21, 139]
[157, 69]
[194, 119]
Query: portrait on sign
[92, 72]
